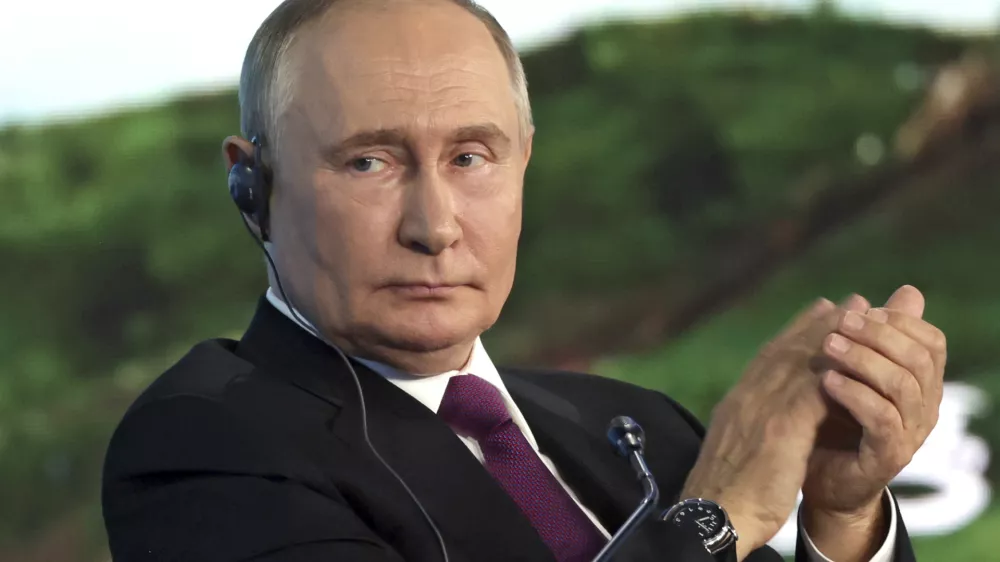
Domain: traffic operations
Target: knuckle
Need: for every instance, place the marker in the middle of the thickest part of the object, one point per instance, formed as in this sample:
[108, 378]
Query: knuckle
[932, 419]
[837, 318]
[885, 418]
[938, 341]
[898, 383]
[774, 428]
[899, 457]
[933, 412]
[878, 330]
[778, 429]
[924, 361]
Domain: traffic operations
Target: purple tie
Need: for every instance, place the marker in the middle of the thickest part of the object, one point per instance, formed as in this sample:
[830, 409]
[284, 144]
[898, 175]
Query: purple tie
[475, 408]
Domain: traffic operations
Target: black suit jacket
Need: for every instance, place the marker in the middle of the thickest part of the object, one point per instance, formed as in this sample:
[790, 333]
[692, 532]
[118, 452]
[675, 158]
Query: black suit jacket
[253, 450]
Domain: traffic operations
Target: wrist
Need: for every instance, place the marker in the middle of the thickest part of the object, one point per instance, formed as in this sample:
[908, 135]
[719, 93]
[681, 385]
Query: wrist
[846, 535]
[750, 534]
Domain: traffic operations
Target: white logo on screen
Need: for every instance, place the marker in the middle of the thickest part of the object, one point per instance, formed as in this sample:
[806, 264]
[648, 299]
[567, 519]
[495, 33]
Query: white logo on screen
[952, 463]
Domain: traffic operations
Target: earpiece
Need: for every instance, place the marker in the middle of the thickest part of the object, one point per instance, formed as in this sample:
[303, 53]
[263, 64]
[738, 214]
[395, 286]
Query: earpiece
[250, 188]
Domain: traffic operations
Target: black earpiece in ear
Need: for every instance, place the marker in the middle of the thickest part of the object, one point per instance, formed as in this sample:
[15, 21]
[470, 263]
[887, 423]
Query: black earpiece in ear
[249, 186]
[241, 187]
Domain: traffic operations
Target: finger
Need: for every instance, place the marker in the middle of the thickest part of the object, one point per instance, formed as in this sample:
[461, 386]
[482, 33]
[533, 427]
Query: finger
[882, 424]
[808, 316]
[925, 333]
[822, 311]
[827, 322]
[931, 379]
[876, 371]
[856, 302]
[811, 338]
[895, 345]
[907, 299]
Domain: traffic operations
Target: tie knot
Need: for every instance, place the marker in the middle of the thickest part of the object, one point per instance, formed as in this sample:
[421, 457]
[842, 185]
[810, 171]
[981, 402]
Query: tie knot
[473, 407]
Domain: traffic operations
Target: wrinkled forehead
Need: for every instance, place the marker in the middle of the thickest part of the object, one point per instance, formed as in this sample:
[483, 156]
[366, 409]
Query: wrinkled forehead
[419, 66]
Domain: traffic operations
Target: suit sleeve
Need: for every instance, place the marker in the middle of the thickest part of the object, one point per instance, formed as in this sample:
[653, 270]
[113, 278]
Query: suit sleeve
[184, 480]
[903, 549]
[895, 548]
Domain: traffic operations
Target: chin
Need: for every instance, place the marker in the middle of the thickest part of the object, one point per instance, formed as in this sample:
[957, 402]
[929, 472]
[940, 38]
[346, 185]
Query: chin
[430, 330]
[424, 338]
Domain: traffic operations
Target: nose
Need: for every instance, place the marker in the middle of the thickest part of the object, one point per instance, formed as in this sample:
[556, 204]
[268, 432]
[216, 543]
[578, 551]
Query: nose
[429, 224]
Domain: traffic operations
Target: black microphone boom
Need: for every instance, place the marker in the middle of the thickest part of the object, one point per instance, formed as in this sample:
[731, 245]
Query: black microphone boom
[628, 440]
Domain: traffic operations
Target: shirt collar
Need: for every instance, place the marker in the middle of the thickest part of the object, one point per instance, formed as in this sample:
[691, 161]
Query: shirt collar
[426, 389]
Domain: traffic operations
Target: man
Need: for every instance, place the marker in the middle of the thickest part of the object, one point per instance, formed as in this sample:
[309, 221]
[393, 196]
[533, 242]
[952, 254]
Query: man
[389, 144]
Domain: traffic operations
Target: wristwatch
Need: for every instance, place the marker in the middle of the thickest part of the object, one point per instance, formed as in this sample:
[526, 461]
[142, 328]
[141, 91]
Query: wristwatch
[708, 521]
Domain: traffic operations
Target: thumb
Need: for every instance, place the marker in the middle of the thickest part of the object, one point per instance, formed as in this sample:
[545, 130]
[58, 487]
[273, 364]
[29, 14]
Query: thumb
[908, 300]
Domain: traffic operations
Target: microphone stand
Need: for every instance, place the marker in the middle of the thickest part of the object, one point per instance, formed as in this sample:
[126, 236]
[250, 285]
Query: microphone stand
[628, 438]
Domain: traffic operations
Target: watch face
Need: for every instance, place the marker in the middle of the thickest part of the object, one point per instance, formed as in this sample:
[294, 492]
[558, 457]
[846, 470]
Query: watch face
[703, 518]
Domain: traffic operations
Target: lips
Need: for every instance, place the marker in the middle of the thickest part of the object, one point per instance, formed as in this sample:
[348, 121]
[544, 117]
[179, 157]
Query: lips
[424, 290]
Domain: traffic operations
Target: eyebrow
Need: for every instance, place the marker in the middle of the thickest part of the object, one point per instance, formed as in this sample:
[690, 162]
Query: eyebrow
[363, 139]
[487, 133]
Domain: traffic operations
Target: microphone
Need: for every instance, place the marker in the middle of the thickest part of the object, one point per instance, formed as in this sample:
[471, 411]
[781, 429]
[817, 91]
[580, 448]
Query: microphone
[628, 439]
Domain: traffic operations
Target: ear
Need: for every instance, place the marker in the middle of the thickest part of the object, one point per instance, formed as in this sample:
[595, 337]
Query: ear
[236, 149]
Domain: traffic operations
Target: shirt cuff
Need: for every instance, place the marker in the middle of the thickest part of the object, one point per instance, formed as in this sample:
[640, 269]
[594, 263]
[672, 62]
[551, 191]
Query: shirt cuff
[885, 552]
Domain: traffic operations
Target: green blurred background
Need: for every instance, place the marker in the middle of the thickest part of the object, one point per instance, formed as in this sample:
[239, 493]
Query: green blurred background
[695, 181]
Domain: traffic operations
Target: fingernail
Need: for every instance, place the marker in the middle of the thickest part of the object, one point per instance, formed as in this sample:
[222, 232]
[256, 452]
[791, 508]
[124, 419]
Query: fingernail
[853, 321]
[834, 379]
[839, 343]
[878, 314]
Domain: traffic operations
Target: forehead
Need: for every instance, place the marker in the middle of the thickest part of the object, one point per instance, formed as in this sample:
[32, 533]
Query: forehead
[410, 65]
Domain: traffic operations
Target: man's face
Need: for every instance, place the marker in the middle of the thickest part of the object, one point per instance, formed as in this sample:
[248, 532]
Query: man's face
[399, 174]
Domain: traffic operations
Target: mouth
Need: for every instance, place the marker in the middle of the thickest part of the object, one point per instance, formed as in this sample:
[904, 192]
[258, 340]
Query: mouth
[421, 290]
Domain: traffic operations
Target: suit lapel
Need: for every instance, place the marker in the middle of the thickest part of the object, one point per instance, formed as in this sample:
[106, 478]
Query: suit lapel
[602, 480]
[473, 513]
[467, 504]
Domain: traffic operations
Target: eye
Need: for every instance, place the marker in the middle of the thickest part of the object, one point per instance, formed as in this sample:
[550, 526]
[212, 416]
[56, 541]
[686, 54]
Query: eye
[367, 165]
[469, 160]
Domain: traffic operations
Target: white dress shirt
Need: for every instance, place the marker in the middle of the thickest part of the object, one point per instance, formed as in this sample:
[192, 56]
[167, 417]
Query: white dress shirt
[428, 389]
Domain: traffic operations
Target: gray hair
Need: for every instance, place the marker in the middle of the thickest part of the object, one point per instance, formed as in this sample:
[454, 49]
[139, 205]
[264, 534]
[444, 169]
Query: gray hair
[263, 95]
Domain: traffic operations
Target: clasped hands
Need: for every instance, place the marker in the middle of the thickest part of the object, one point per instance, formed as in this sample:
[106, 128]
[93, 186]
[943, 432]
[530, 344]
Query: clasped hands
[836, 405]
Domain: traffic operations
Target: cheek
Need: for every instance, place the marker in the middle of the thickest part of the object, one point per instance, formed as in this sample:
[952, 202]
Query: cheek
[351, 238]
[492, 230]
